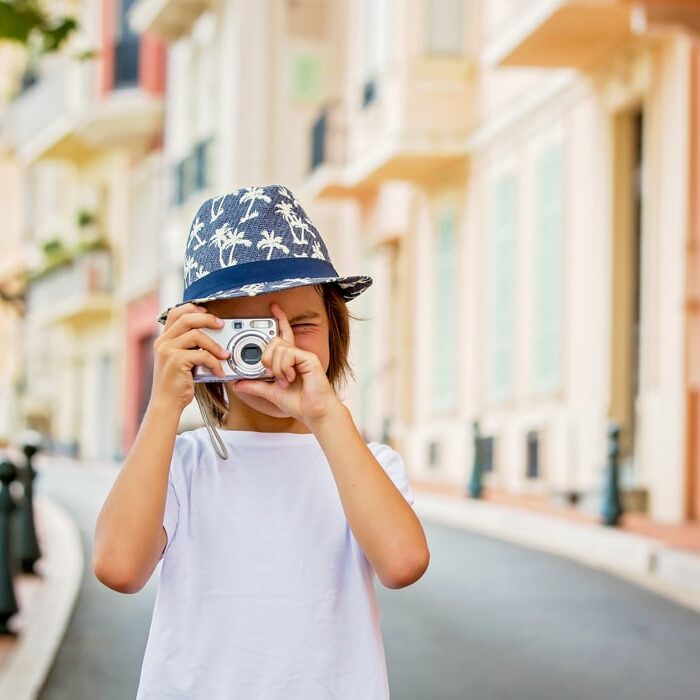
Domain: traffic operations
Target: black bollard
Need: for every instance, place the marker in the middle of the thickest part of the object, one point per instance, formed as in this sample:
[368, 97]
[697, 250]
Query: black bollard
[611, 502]
[476, 486]
[26, 543]
[8, 601]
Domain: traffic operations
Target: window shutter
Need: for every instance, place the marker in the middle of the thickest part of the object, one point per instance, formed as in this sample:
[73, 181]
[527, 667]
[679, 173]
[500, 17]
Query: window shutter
[444, 359]
[502, 306]
[546, 355]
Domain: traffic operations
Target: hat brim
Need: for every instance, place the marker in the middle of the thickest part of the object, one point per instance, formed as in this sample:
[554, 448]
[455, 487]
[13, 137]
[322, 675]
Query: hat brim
[350, 287]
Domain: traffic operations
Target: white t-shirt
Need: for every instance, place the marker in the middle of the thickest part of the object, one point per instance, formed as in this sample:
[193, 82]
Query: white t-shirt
[264, 593]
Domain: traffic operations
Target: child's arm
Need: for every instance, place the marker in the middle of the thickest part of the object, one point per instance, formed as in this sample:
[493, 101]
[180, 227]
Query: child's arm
[383, 523]
[129, 535]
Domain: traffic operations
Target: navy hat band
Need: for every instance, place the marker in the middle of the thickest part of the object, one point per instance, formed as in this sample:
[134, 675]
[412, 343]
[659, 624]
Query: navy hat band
[258, 271]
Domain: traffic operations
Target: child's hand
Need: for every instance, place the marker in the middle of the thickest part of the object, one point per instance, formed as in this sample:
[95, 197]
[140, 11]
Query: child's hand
[301, 389]
[180, 347]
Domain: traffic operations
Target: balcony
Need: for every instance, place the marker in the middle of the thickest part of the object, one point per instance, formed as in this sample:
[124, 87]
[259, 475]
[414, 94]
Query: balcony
[61, 114]
[409, 125]
[168, 19]
[579, 33]
[39, 121]
[80, 291]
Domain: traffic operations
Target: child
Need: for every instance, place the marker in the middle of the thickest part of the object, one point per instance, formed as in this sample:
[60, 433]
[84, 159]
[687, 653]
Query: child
[271, 532]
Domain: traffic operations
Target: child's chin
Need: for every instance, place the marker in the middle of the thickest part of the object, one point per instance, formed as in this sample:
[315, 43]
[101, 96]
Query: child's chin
[266, 407]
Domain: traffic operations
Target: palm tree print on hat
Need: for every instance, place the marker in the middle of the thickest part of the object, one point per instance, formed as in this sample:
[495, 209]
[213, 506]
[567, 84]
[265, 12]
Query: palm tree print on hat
[193, 270]
[292, 219]
[317, 252]
[253, 289]
[270, 241]
[284, 192]
[219, 209]
[224, 237]
[197, 226]
[252, 195]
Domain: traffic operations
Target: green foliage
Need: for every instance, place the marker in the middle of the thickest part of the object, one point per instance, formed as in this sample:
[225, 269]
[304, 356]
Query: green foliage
[93, 243]
[22, 20]
[85, 217]
[57, 255]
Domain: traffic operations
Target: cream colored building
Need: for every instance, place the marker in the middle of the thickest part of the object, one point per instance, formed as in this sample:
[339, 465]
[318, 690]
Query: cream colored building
[12, 261]
[514, 174]
[77, 130]
[250, 80]
[519, 176]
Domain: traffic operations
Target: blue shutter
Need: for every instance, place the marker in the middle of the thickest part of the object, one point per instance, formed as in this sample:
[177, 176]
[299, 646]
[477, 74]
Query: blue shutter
[546, 351]
[502, 275]
[444, 360]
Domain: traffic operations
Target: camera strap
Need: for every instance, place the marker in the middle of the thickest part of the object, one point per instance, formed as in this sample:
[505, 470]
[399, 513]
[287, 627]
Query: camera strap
[216, 440]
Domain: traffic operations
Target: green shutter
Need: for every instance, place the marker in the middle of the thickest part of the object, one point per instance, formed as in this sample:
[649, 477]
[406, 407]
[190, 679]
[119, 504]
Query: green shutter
[502, 275]
[306, 77]
[546, 351]
[444, 360]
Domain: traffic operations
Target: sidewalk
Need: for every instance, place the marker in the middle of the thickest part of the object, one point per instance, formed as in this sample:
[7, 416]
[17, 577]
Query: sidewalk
[662, 558]
[45, 603]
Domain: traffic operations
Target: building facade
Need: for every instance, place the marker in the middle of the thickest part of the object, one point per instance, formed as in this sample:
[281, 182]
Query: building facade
[543, 152]
[518, 176]
[79, 130]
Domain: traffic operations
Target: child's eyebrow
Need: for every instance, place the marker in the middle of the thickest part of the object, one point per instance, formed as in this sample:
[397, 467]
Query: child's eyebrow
[307, 315]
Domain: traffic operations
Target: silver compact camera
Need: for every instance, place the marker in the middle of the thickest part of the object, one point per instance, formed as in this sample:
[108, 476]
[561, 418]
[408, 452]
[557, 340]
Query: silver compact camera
[246, 339]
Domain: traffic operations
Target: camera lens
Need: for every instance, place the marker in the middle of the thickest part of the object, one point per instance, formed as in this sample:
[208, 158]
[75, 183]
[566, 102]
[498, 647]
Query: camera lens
[251, 354]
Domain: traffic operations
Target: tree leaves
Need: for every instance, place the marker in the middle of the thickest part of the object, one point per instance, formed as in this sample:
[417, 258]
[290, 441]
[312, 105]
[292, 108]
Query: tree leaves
[20, 20]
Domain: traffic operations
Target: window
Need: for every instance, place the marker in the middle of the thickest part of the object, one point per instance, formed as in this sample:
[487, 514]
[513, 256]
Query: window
[126, 50]
[502, 289]
[445, 32]
[375, 47]
[445, 329]
[546, 351]
[532, 465]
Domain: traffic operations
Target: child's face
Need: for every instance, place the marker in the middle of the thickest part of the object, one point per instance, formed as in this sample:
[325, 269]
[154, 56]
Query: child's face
[310, 333]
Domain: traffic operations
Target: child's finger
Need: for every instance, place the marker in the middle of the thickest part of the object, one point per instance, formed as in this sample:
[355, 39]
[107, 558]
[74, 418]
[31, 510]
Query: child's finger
[253, 387]
[290, 374]
[275, 361]
[287, 360]
[286, 332]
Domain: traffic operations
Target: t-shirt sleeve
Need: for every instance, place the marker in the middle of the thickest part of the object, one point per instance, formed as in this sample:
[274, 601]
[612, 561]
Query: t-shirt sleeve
[394, 466]
[172, 503]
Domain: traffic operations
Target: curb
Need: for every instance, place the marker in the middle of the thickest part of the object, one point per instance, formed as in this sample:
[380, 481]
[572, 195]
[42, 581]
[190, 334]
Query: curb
[645, 562]
[61, 567]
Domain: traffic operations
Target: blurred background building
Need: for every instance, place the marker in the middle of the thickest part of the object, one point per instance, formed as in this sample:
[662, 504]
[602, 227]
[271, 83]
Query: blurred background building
[519, 176]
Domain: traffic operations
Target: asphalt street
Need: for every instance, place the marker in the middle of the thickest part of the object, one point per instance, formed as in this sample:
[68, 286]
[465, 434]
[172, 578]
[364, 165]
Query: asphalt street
[488, 621]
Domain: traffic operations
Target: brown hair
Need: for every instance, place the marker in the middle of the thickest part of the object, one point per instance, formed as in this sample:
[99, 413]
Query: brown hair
[213, 395]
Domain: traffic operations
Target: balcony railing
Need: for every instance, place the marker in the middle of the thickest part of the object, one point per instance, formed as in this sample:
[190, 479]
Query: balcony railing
[565, 33]
[40, 117]
[393, 132]
[81, 287]
[169, 19]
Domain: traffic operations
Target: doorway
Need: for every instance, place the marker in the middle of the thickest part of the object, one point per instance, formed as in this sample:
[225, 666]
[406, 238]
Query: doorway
[626, 281]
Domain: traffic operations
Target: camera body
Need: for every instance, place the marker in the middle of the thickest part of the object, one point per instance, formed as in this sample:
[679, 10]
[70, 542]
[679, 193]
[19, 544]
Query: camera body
[246, 339]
